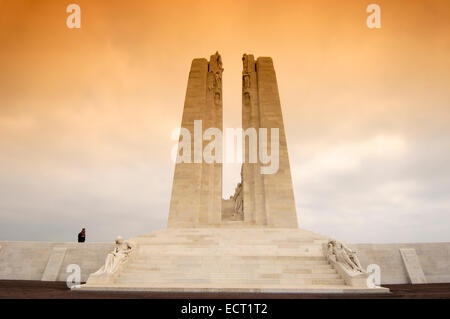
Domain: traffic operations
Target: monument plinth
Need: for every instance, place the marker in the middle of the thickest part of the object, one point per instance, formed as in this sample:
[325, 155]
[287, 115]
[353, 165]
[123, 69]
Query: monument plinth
[248, 243]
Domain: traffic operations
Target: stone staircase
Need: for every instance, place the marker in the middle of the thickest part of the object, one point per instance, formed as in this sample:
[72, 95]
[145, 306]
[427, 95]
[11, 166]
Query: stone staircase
[229, 259]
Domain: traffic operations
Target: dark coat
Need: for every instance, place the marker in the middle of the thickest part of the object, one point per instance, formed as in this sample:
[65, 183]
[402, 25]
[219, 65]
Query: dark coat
[81, 238]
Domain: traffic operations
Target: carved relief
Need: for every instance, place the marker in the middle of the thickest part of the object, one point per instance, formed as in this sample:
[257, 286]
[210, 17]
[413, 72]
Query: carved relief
[245, 64]
[246, 80]
[218, 60]
[215, 69]
[217, 98]
[337, 252]
[218, 80]
[238, 200]
[113, 263]
[211, 83]
[247, 99]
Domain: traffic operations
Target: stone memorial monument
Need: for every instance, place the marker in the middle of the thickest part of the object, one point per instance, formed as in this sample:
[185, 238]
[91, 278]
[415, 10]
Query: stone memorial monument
[248, 243]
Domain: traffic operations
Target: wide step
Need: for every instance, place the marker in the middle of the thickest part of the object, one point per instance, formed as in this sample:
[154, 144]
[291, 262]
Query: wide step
[133, 279]
[217, 258]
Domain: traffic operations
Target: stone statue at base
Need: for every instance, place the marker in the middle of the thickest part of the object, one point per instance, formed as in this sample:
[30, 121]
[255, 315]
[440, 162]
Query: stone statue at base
[338, 252]
[115, 259]
[347, 264]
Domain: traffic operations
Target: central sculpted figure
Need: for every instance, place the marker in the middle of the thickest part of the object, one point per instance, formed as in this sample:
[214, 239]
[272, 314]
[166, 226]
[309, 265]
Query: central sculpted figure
[238, 200]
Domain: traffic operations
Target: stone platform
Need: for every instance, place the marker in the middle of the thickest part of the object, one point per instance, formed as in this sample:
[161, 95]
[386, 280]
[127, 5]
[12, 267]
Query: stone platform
[229, 260]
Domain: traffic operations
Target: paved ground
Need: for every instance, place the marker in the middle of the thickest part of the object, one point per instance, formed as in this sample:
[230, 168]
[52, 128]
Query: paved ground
[51, 290]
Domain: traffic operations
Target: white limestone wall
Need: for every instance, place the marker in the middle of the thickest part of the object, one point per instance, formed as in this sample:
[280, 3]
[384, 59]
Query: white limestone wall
[433, 257]
[31, 260]
[49, 261]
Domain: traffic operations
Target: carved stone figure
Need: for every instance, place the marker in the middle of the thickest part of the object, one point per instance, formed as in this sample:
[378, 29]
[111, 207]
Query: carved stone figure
[117, 257]
[211, 82]
[247, 99]
[215, 69]
[330, 252]
[219, 60]
[217, 79]
[340, 253]
[245, 64]
[246, 81]
[238, 200]
[217, 98]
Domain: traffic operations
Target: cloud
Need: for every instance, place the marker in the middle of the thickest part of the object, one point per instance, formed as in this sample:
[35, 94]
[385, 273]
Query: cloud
[339, 159]
[375, 190]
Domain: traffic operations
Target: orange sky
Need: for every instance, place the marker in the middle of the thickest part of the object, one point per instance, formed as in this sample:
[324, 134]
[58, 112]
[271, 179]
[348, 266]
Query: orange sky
[86, 115]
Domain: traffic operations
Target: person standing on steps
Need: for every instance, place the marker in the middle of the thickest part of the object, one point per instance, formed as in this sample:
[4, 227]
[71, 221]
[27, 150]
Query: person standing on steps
[82, 236]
